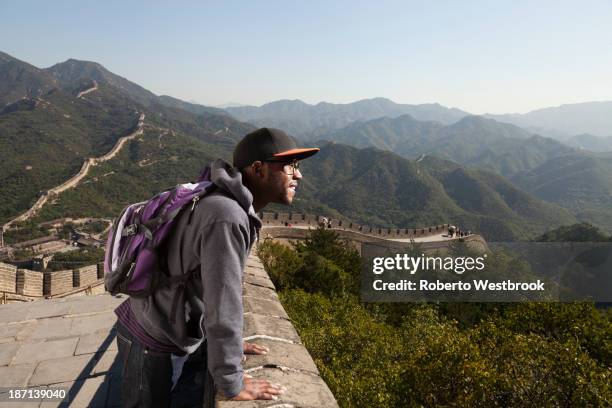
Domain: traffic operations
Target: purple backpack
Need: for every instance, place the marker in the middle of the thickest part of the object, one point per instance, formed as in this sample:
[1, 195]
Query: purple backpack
[133, 258]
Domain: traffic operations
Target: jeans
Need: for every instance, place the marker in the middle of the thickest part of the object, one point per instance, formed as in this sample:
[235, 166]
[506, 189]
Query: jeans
[147, 374]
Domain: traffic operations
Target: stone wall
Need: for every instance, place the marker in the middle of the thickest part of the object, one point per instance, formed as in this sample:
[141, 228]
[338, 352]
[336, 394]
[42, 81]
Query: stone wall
[26, 282]
[284, 234]
[8, 278]
[58, 282]
[29, 283]
[281, 219]
[85, 276]
[287, 362]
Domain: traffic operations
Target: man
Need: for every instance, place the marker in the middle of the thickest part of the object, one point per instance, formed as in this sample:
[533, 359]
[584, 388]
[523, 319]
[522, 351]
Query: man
[212, 241]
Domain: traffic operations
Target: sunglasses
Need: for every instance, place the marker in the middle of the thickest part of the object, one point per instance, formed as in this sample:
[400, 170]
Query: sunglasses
[288, 167]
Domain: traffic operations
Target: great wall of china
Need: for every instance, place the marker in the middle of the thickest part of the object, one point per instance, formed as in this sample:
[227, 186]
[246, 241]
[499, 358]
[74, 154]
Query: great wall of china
[77, 178]
[24, 285]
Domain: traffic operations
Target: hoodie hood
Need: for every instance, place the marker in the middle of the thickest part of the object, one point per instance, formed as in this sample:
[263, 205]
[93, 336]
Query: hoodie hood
[229, 178]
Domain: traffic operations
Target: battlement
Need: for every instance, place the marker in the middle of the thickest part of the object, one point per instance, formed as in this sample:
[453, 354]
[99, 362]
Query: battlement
[18, 284]
[274, 219]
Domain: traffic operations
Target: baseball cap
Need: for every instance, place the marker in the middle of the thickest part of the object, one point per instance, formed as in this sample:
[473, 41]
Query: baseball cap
[269, 144]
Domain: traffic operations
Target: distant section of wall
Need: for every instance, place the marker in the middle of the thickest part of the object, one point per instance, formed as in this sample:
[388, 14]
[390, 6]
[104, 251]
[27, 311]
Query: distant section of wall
[275, 225]
[270, 219]
[85, 276]
[29, 283]
[285, 234]
[8, 278]
[58, 282]
[25, 284]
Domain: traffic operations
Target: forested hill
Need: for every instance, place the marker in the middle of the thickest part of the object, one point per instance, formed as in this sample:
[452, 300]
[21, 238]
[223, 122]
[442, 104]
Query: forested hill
[50, 126]
[473, 140]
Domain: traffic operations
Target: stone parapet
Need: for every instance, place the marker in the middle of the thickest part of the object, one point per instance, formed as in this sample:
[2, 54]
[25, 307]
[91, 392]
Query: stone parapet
[8, 278]
[85, 276]
[58, 282]
[29, 283]
[287, 362]
[275, 219]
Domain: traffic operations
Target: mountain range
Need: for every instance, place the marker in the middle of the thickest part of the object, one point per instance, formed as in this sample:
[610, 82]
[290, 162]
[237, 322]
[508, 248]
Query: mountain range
[473, 140]
[565, 120]
[577, 179]
[304, 120]
[311, 121]
[47, 131]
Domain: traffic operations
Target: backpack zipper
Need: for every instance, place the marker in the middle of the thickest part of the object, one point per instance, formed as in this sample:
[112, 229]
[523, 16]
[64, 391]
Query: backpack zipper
[194, 202]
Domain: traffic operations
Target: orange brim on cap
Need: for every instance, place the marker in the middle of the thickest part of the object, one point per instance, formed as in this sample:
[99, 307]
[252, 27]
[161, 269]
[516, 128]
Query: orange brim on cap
[298, 153]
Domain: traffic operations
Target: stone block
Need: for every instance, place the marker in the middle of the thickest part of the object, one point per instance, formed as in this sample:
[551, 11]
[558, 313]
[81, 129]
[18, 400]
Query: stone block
[256, 271]
[101, 322]
[96, 342]
[91, 392]
[29, 283]
[13, 331]
[63, 369]
[46, 309]
[35, 352]
[7, 353]
[303, 390]
[259, 292]
[16, 375]
[282, 354]
[51, 328]
[264, 307]
[258, 280]
[96, 303]
[268, 326]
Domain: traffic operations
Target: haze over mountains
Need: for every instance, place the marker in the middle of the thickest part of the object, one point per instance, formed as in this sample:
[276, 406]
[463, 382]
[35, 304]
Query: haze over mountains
[46, 132]
[311, 121]
[572, 119]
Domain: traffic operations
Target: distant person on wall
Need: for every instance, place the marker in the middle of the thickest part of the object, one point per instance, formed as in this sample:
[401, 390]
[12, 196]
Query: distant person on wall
[214, 239]
[323, 222]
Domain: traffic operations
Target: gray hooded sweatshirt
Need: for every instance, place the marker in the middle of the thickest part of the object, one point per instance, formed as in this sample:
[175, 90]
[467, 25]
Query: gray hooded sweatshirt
[214, 240]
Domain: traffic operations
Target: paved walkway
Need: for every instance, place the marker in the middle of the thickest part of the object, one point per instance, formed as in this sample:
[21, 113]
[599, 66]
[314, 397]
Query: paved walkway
[67, 343]
[70, 343]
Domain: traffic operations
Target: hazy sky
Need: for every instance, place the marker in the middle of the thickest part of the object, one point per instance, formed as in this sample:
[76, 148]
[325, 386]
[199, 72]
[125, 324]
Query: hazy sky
[480, 56]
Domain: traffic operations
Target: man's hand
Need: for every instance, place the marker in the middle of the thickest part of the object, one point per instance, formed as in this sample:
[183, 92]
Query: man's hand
[258, 389]
[252, 348]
